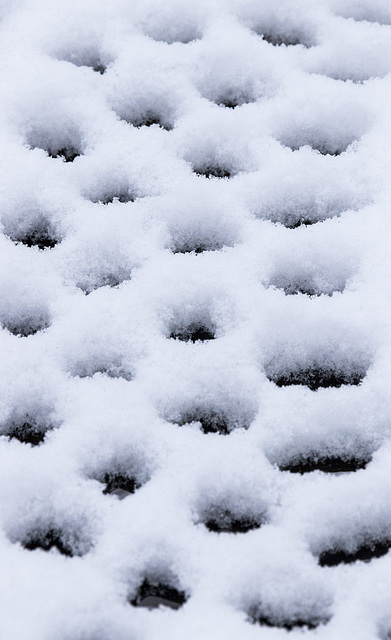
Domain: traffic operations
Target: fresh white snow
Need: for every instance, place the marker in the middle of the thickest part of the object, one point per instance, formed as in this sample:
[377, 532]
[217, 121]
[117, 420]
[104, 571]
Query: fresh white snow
[195, 295]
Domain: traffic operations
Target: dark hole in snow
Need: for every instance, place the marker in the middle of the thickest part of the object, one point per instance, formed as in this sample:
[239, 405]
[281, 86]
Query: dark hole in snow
[99, 68]
[315, 378]
[152, 595]
[193, 333]
[258, 617]
[115, 196]
[324, 147]
[224, 521]
[87, 370]
[194, 248]
[120, 485]
[212, 171]
[214, 420]
[233, 99]
[109, 280]
[26, 326]
[67, 154]
[198, 242]
[40, 234]
[279, 39]
[151, 119]
[365, 553]
[148, 119]
[46, 540]
[307, 285]
[29, 431]
[327, 464]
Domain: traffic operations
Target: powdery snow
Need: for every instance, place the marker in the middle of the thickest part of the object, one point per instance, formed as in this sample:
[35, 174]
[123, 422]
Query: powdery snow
[194, 307]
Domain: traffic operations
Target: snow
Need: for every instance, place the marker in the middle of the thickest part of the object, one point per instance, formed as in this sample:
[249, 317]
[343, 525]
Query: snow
[194, 297]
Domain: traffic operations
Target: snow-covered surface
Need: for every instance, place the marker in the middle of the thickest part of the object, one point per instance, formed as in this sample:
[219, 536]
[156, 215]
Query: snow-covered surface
[86, 352]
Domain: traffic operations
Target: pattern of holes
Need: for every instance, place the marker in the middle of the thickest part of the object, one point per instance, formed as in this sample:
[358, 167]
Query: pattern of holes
[132, 139]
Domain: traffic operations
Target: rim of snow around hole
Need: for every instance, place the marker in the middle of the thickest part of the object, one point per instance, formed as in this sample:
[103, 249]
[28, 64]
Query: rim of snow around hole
[37, 230]
[230, 514]
[338, 360]
[53, 529]
[65, 146]
[23, 323]
[121, 473]
[30, 426]
[219, 408]
[157, 585]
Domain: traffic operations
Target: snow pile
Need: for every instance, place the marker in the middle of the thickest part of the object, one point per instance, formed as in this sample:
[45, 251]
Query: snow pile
[194, 320]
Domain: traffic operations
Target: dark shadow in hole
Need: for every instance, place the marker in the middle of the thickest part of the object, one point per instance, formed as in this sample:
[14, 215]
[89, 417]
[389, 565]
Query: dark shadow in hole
[193, 333]
[279, 39]
[151, 119]
[211, 421]
[152, 595]
[315, 378]
[117, 196]
[120, 485]
[258, 617]
[232, 100]
[41, 238]
[67, 154]
[210, 171]
[46, 540]
[302, 221]
[85, 370]
[112, 281]
[99, 67]
[224, 521]
[28, 431]
[40, 234]
[26, 327]
[148, 119]
[365, 553]
[327, 464]
[324, 148]
[194, 248]
[311, 285]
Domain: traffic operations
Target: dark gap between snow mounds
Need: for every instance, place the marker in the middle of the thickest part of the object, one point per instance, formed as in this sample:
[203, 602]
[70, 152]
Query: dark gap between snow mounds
[223, 520]
[193, 333]
[120, 195]
[37, 233]
[213, 171]
[120, 485]
[317, 377]
[279, 36]
[90, 58]
[231, 99]
[47, 540]
[364, 553]
[148, 119]
[215, 420]
[326, 464]
[27, 430]
[66, 541]
[26, 325]
[67, 154]
[294, 282]
[155, 593]
[264, 619]
[196, 248]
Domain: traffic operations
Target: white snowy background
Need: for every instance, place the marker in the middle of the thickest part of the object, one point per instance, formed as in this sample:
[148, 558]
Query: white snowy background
[142, 245]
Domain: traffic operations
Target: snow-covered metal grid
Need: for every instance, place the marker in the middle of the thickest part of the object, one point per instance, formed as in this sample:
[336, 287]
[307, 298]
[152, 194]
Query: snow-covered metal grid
[195, 309]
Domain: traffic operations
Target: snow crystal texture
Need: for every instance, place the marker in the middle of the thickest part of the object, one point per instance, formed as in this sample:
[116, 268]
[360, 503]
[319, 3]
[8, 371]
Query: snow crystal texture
[195, 303]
